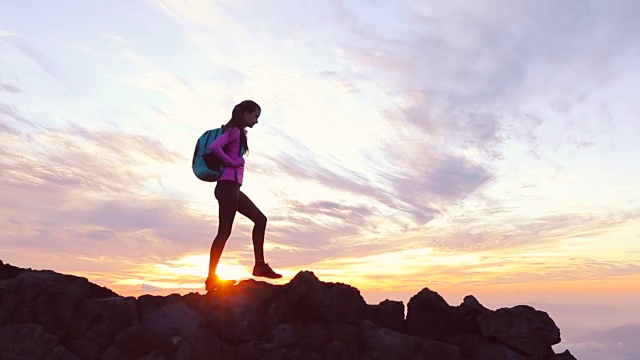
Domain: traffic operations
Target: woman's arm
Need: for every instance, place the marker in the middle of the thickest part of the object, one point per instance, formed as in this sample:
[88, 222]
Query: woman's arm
[223, 140]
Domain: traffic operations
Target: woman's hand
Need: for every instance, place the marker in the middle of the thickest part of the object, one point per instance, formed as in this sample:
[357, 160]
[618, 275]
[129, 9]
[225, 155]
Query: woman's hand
[237, 162]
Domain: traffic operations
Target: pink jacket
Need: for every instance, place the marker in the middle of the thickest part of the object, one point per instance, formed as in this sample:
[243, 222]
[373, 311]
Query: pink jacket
[227, 148]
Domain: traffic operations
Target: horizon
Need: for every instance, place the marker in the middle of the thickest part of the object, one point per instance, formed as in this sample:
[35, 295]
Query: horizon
[481, 149]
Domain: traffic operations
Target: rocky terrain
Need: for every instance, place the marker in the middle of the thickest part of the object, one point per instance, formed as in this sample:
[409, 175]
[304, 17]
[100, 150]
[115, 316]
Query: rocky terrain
[47, 315]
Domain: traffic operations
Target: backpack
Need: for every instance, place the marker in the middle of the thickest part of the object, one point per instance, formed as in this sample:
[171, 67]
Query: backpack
[206, 166]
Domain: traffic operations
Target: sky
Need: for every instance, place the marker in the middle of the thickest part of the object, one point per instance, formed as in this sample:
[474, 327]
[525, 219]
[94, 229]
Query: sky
[484, 148]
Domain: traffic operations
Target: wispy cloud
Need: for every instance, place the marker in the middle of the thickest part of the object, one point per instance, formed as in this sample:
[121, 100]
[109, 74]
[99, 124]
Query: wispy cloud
[473, 77]
[46, 63]
[59, 184]
[10, 88]
[10, 113]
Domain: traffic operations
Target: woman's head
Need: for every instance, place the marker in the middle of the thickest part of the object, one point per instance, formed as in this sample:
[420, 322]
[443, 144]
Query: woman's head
[245, 114]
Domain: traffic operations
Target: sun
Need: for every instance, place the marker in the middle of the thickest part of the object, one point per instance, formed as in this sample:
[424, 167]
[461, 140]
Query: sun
[233, 271]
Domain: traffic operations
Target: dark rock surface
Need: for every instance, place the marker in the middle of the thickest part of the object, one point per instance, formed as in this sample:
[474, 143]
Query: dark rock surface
[46, 315]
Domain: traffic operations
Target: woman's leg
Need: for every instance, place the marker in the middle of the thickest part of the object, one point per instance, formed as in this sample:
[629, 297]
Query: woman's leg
[227, 193]
[247, 208]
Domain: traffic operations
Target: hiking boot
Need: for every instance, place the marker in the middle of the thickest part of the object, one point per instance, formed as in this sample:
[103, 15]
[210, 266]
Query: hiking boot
[215, 283]
[264, 270]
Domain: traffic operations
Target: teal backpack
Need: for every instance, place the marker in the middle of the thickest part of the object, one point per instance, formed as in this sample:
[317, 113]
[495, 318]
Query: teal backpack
[206, 166]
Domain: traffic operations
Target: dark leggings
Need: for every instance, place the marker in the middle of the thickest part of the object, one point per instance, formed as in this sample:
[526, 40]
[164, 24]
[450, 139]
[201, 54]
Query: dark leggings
[230, 200]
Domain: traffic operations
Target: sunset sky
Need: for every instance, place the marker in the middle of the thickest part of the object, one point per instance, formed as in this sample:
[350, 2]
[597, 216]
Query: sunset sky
[485, 147]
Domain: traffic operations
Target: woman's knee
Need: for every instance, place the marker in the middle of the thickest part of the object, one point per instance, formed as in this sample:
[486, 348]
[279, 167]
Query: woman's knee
[261, 220]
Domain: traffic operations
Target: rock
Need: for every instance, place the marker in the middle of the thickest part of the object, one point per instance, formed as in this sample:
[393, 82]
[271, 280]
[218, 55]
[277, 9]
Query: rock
[428, 316]
[382, 344]
[245, 313]
[175, 320]
[471, 307]
[8, 271]
[474, 347]
[96, 324]
[45, 298]
[464, 318]
[140, 341]
[26, 341]
[388, 314]
[522, 328]
[202, 345]
[44, 315]
[565, 355]
[307, 299]
[61, 353]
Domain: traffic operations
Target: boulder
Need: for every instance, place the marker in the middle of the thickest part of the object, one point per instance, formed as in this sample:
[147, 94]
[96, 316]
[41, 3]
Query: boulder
[566, 355]
[522, 328]
[308, 299]
[382, 344]
[474, 347]
[429, 316]
[45, 298]
[388, 314]
[97, 322]
[8, 271]
[26, 341]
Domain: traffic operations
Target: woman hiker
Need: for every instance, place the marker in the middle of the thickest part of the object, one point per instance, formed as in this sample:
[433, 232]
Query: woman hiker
[230, 199]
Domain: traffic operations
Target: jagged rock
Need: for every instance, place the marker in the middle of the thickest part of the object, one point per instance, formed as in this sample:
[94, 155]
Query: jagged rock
[566, 355]
[383, 344]
[523, 328]
[307, 299]
[428, 316]
[474, 347]
[202, 345]
[8, 271]
[97, 322]
[26, 341]
[140, 341]
[46, 298]
[245, 312]
[45, 315]
[388, 314]
[470, 308]
[176, 320]
[310, 338]
[61, 353]
[464, 318]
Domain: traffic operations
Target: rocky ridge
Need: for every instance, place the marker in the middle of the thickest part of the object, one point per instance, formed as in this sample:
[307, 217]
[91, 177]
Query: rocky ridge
[47, 315]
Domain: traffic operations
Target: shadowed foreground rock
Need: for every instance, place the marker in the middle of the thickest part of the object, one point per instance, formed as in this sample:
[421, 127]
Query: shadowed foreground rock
[46, 315]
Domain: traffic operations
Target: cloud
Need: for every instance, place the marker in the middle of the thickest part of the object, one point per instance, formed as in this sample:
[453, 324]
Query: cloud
[45, 63]
[435, 177]
[4, 34]
[405, 174]
[471, 78]
[550, 232]
[79, 191]
[82, 160]
[11, 88]
[148, 288]
[333, 209]
[11, 113]
[186, 13]
[304, 165]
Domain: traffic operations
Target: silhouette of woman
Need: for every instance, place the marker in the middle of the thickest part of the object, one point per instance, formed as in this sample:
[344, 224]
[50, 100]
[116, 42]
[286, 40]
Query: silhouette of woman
[227, 147]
